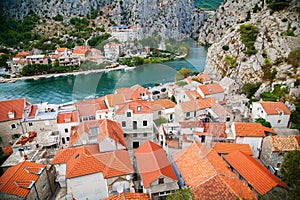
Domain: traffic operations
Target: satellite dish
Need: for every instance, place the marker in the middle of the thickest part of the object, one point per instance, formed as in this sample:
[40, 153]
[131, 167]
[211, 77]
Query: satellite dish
[127, 177]
[119, 189]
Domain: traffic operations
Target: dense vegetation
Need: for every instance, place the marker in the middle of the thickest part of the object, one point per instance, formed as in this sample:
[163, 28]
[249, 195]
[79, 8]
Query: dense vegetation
[250, 88]
[98, 40]
[230, 61]
[248, 36]
[37, 69]
[278, 94]
[181, 194]
[17, 33]
[208, 5]
[263, 122]
[277, 5]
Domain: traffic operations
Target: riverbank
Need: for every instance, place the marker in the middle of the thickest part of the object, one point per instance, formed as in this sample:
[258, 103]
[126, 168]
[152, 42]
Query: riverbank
[75, 73]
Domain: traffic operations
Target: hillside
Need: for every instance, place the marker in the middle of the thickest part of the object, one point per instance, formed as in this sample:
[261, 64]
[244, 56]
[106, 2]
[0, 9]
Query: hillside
[254, 42]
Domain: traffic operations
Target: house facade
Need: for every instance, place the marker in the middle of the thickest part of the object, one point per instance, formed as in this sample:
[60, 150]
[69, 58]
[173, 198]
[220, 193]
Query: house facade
[163, 108]
[274, 112]
[213, 90]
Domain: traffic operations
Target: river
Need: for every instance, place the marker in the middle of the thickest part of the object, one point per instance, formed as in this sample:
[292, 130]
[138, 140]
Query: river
[59, 90]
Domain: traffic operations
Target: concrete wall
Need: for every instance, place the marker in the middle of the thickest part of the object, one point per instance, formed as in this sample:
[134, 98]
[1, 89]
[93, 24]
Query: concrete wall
[91, 186]
[6, 131]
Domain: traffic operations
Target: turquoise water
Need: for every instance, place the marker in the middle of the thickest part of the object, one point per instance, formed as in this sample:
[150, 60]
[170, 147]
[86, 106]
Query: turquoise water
[72, 88]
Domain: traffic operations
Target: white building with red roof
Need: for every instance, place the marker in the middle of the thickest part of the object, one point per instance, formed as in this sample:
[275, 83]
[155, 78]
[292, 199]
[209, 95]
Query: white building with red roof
[276, 113]
[87, 173]
[214, 90]
[81, 52]
[163, 108]
[106, 133]
[157, 176]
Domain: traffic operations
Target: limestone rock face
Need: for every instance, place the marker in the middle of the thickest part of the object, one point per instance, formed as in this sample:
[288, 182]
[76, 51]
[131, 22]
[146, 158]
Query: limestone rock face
[272, 42]
[166, 18]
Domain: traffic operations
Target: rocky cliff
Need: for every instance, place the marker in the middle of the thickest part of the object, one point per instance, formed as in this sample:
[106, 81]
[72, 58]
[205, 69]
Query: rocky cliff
[277, 34]
[167, 18]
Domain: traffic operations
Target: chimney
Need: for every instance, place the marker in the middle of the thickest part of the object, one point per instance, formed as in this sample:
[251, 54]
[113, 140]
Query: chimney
[25, 157]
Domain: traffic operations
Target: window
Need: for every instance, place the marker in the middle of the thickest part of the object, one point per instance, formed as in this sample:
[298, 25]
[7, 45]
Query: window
[145, 123]
[278, 165]
[134, 125]
[161, 181]
[63, 140]
[128, 114]
[139, 108]
[187, 114]
[135, 135]
[123, 124]
[44, 186]
[278, 121]
[66, 130]
[30, 124]
[13, 126]
[159, 112]
[145, 134]
[68, 139]
[135, 145]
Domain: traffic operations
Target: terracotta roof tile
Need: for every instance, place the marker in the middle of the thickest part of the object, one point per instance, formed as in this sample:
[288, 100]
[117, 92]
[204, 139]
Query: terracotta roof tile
[215, 129]
[200, 104]
[138, 107]
[129, 196]
[244, 129]
[226, 148]
[85, 160]
[61, 49]
[274, 108]
[107, 128]
[191, 124]
[22, 54]
[132, 93]
[152, 163]
[283, 143]
[115, 99]
[15, 107]
[201, 77]
[162, 104]
[213, 88]
[253, 172]
[16, 179]
[33, 111]
[208, 175]
[80, 50]
[67, 117]
[89, 107]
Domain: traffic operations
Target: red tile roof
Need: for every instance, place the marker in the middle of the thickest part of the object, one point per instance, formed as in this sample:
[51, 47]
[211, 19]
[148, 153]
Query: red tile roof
[133, 93]
[145, 107]
[115, 99]
[226, 148]
[153, 163]
[274, 108]
[16, 179]
[213, 88]
[284, 143]
[244, 129]
[162, 104]
[33, 111]
[107, 128]
[80, 50]
[201, 77]
[191, 124]
[215, 129]
[89, 107]
[67, 117]
[15, 106]
[253, 172]
[86, 160]
[22, 54]
[129, 196]
[200, 104]
[61, 49]
[203, 169]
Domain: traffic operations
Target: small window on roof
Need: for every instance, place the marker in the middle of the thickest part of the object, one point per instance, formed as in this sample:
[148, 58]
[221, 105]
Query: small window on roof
[139, 108]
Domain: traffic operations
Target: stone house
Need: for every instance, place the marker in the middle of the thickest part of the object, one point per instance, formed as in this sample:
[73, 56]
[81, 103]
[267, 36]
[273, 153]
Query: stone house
[110, 172]
[274, 112]
[112, 50]
[274, 148]
[12, 114]
[106, 133]
[136, 118]
[157, 176]
[81, 51]
[250, 133]
[252, 173]
[27, 180]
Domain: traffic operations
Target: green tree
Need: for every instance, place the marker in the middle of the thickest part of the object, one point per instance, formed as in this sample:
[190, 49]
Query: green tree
[181, 194]
[263, 122]
[248, 36]
[290, 172]
[173, 99]
[160, 120]
[250, 88]
[185, 72]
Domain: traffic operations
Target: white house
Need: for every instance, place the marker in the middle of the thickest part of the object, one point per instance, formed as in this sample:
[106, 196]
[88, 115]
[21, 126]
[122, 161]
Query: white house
[252, 134]
[163, 108]
[211, 90]
[274, 112]
[112, 50]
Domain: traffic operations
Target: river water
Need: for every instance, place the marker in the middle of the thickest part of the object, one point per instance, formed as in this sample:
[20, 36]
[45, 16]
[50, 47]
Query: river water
[64, 89]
